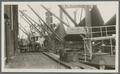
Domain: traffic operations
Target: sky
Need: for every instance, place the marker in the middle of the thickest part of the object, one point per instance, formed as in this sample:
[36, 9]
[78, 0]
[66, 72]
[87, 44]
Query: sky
[107, 10]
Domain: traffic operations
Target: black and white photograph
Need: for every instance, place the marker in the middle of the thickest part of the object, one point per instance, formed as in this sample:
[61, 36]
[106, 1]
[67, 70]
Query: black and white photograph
[60, 36]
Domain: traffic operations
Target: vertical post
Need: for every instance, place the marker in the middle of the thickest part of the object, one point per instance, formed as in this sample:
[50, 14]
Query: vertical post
[88, 16]
[85, 51]
[12, 31]
[88, 24]
[61, 16]
[111, 46]
[61, 23]
[101, 31]
[91, 32]
[75, 12]
[8, 9]
[11, 11]
[106, 30]
[15, 28]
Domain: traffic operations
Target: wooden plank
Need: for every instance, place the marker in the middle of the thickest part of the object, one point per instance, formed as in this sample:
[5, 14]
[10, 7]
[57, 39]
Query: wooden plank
[71, 65]
[85, 66]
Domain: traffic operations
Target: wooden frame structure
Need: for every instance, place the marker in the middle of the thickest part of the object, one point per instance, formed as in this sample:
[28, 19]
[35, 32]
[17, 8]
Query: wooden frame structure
[87, 21]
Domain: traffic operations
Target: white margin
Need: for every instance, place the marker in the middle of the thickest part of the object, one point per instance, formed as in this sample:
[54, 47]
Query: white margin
[2, 38]
[59, 70]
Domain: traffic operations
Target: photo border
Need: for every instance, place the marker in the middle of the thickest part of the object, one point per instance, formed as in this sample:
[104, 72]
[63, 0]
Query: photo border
[117, 36]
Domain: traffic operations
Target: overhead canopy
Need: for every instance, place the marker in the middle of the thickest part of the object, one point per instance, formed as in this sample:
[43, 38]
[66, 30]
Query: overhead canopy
[74, 33]
[71, 33]
[76, 30]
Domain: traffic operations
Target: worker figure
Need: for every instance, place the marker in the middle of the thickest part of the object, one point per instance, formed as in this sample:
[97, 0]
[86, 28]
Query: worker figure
[100, 51]
[101, 62]
[61, 52]
[41, 41]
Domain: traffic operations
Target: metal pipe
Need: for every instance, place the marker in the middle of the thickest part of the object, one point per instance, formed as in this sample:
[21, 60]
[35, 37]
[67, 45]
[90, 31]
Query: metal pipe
[30, 23]
[44, 22]
[35, 27]
[43, 27]
[23, 28]
[24, 31]
[32, 20]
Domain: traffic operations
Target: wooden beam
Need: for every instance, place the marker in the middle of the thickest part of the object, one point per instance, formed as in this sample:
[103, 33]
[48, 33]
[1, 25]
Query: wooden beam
[101, 38]
[67, 15]
[87, 17]
[88, 24]
[75, 6]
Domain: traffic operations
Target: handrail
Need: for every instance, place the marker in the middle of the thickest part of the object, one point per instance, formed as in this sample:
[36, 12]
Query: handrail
[105, 31]
[100, 33]
[102, 26]
[102, 30]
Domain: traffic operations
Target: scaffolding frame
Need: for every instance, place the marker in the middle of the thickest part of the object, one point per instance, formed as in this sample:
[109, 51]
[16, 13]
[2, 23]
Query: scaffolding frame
[108, 35]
